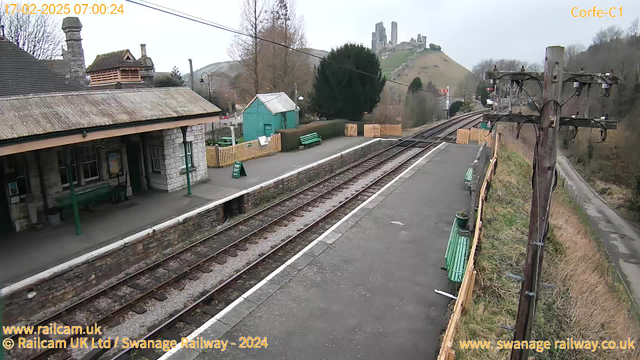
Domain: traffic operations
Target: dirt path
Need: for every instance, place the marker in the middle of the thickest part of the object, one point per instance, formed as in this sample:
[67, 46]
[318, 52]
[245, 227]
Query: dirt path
[621, 238]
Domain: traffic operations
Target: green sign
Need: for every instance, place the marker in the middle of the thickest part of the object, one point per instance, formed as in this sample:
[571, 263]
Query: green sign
[238, 170]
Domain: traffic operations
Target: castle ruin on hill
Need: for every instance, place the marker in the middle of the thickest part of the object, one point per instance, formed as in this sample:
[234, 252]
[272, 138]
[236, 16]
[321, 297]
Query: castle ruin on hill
[380, 44]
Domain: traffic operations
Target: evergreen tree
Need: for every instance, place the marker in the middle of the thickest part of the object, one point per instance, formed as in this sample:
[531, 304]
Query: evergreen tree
[173, 79]
[175, 73]
[416, 85]
[341, 92]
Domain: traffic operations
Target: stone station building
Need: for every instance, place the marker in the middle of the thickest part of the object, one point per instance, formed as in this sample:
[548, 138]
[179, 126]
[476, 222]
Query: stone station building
[102, 139]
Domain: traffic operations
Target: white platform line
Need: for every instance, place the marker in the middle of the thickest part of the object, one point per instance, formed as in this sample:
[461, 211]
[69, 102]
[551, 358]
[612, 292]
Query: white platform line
[257, 286]
[176, 220]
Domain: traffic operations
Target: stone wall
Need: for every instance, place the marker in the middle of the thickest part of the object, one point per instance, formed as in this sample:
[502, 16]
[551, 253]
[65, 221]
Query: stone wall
[289, 184]
[53, 184]
[173, 148]
[75, 283]
[157, 180]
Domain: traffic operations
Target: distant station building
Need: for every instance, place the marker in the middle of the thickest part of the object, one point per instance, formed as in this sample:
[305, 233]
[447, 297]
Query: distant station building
[57, 136]
[267, 113]
[120, 69]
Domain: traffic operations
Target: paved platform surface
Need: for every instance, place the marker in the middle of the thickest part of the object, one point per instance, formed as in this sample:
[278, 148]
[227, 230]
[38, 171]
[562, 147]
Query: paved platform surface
[365, 289]
[621, 238]
[29, 252]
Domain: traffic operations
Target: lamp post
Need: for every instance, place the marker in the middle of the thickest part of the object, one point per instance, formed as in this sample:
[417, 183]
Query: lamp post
[208, 83]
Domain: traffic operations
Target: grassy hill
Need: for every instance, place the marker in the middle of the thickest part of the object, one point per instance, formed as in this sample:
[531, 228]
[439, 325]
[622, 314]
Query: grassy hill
[394, 60]
[429, 65]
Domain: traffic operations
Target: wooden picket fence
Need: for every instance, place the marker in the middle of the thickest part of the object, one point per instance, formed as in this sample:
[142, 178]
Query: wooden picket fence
[464, 136]
[372, 130]
[466, 289]
[224, 156]
[479, 135]
[351, 130]
[378, 130]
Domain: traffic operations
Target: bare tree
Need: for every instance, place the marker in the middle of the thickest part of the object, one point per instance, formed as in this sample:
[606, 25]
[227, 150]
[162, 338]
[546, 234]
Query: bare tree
[287, 67]
[481, 68]
[609, 34]
[533, 67]
[246, 50]
[39, 35]
[485, 65]
[634, 28]
[570, 53]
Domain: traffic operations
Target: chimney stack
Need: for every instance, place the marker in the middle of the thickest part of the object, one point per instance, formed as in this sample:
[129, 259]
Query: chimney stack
[74, 55]
[148, 71]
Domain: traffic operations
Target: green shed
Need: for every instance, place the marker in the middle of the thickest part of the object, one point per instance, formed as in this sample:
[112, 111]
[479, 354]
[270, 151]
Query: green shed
[267, 113]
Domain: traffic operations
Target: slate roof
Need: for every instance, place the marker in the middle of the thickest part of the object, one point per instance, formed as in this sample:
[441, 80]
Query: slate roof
[21, 73]
[58, 66]
[113, 60]
[24, 116]
[276, 102]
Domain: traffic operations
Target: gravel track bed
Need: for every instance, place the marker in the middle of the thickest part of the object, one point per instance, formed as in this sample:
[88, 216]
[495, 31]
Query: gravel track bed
[134, 325]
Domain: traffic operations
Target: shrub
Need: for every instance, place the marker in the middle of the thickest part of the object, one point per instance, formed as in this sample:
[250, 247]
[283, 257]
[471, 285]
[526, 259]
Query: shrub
[326, 129]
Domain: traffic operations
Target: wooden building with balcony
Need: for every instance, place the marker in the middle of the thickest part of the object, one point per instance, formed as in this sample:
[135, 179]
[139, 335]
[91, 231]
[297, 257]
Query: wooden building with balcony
[120, 69]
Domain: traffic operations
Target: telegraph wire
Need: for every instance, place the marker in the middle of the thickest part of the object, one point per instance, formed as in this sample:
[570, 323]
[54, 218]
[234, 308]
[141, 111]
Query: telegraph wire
[189, 17]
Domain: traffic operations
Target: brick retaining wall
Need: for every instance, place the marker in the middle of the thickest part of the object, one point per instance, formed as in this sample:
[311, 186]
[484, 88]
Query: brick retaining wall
[296, 181]
[74, 284]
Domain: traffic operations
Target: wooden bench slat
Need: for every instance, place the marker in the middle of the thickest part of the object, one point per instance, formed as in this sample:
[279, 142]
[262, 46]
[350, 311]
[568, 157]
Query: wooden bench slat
[310, 139]
[87, 196]
[456, 254]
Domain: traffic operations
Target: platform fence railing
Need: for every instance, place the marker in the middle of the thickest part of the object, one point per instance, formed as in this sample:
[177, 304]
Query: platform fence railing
[465, 293]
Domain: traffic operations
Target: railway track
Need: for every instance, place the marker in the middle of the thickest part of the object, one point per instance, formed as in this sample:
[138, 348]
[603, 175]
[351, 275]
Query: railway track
[108, 306]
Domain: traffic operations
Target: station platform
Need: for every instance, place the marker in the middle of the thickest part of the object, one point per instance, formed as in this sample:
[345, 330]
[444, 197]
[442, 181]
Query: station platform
[365, 288]
[30, 252]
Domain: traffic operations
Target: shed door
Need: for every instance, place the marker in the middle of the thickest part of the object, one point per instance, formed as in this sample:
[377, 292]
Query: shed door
[268, 130]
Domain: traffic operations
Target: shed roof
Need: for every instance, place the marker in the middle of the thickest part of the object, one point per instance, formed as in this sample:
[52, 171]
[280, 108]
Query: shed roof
[21, 73]
[31, 115]
[114, 60]
[276, 102]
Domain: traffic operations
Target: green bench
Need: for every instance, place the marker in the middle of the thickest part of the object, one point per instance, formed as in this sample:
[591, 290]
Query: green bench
[225, 141]
[468, 177]
[87, 197]
[310, 139]
[457, 254]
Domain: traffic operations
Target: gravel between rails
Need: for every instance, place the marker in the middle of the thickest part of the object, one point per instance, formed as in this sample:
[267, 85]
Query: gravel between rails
[136, 325]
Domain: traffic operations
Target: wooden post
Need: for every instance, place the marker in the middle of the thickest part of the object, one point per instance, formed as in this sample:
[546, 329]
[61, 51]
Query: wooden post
[545, 162]
[469, 295]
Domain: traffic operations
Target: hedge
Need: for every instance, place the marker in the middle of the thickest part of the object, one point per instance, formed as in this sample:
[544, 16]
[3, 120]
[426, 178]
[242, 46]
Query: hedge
[326, 129]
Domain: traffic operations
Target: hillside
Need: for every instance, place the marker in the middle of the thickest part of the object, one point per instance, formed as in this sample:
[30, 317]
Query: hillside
[429, 65]
[232, 68]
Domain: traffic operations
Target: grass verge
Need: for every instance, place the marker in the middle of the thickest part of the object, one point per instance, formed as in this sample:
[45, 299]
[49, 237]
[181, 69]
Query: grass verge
[587, 301]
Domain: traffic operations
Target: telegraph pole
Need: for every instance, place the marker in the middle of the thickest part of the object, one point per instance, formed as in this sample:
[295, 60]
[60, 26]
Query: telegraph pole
[548, 123]
[543, 179]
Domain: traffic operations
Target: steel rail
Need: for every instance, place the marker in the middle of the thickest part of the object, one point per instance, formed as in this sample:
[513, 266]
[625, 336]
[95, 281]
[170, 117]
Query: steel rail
[157, 287]
[157, 331]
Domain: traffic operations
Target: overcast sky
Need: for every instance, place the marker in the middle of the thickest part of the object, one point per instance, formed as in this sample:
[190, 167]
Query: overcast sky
[467, 30]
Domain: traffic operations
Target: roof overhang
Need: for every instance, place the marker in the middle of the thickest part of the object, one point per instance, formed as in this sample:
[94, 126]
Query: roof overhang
[31, 143]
